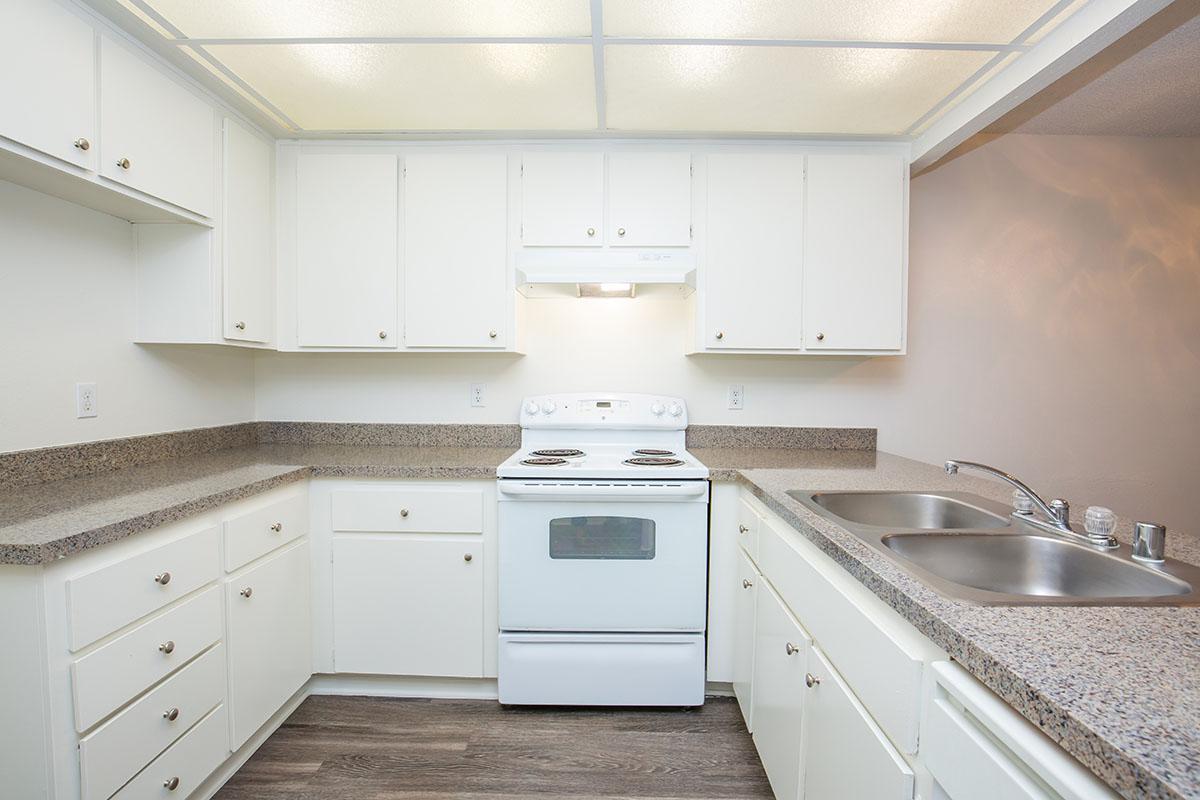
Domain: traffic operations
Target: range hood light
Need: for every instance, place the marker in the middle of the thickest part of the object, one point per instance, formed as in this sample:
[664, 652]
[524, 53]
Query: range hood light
[606, 289]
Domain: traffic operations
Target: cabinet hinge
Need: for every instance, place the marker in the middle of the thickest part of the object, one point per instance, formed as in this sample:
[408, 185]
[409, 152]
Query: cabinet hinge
[692, 169]
[691, 233]
[522, 169]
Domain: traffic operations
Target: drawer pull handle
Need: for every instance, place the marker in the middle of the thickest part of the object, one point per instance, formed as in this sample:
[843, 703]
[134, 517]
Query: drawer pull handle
[82, 144]
[791, 649]
[720, 334]
[811, 680]
[404, 512]
[123, 163]
[241, 326]
[468, 557]
[247, 592]
[277, 527]
[620, 231]
[591, 231]
[746, 583]
[167, 647]
[162, 578]
[171, 784]
[383, 334]
[171, 714]
[743, 529]
[492, 334]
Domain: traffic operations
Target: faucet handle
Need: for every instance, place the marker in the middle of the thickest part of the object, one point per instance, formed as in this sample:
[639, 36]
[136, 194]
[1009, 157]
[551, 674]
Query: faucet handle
[1149, 542]
[1022, 504]
[1061, 509]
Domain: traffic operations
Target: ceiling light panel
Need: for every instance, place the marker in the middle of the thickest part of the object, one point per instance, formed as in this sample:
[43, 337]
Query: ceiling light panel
[421, 87]
[992, 21]
[221, 19]
[806, 90]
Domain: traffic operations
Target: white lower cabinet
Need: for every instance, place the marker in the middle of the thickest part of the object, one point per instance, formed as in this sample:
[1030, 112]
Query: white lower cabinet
[846, 755]
[408, 606]
[746, 591]
[269, 637]
[781, 650]
[185, 765]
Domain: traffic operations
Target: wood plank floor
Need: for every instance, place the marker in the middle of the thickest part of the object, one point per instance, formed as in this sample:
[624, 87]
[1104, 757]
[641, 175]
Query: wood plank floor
[371, 748]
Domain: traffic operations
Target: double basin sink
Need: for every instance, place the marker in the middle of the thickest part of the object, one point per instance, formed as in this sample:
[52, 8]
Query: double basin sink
[969, 548]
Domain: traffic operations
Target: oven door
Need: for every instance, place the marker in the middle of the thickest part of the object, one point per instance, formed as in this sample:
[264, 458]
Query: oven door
[603, 556]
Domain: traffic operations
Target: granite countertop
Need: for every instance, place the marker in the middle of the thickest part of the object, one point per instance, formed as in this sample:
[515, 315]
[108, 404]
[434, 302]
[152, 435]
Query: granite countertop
[1118, 687]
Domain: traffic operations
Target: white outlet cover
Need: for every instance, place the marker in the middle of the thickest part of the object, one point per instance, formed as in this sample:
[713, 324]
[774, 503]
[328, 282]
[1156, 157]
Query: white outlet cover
[86, 401]
[737, 397]
[478, 395]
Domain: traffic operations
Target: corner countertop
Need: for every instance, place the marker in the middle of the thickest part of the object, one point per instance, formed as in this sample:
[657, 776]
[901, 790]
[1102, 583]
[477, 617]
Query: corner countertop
[1117, 687]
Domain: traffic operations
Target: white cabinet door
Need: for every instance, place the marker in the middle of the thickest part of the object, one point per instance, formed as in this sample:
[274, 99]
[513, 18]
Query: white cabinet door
[269, 637]
[346, 263]
[650, 199]
[846, 756]
[781, 650]
[743, 636]
[752, 252]
[48, 95]
[155, 135]
[408, 606]
[248, 264]
[562, 199]
[854, 255]
[456, 250]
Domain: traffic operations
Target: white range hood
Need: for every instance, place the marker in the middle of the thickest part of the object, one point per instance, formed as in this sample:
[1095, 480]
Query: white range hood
[560, 272]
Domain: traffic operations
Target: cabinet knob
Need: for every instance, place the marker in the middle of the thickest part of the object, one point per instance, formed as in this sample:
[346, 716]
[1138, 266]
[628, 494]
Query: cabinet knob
[83, 144]
[620, 231]
[241, 326]
[404, 512]
[591, 231]
[820, 337]
[746, 583]
[162, 578]
[491, 334]
[167, 647]
[247, 592]
[123, 163]
[171, 714]
[811, 680]
[171, 784]
[791, 649]
[468, 557]
[720, 334]
[277, 527]
[383, 334]
[743, 529]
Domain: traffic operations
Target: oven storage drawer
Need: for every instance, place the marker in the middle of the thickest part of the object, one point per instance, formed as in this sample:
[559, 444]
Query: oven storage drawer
[602, 669]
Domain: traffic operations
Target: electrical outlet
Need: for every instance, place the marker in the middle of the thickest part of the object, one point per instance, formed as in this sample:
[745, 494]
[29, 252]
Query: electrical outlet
[86, 404]
[737, 396]
[478, 392]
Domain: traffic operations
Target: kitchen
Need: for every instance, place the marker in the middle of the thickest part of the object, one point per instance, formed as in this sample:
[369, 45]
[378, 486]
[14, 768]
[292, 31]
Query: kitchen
[557, 398]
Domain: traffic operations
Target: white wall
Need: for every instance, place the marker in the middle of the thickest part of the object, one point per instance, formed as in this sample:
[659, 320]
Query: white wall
[67, 316]
[1054, 330]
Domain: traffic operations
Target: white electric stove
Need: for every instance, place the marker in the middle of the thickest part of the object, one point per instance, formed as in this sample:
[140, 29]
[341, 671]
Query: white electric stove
[603, 555]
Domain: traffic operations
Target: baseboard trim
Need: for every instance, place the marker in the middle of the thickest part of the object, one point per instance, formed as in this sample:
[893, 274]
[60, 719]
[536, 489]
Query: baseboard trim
[405, 686]
[718, 689]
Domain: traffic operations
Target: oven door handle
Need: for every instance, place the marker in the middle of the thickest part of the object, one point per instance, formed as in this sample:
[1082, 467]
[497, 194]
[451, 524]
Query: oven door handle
[584, 491]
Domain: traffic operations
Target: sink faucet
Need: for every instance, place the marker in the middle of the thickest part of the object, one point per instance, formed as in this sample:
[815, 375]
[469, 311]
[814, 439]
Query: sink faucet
[1057, 512]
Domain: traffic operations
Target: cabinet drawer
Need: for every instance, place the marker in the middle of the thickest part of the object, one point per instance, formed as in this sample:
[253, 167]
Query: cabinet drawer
[121, 747]
[120, 670]
[111, 597]
[259, 532]
[748, 522]
[185, 765]
[409, 510]
[882, 658]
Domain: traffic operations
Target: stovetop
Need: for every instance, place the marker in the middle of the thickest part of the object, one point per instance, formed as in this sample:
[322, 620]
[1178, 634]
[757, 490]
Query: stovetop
[605, 461]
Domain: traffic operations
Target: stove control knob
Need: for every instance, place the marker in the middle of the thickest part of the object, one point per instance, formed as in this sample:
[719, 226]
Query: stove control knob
[548, 407]
[531, 407]
[675, 409]
[657, 409]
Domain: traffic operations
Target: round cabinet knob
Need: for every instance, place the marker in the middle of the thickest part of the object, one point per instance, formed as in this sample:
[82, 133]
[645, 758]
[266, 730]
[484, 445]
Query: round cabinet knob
[620, 231]
[532, 407]
[468, 557]
[674, 409]
[820, 337]
[404, 512]
[743, 529]
[811, 680]
[241, 326]
[491, 334]
[383, 334]
[167, 647]
[277, 527]
[171, 784]
[591, 231]
[247, 592]
[720, 334]
[791, 649]
[123, 163]
[162, 578]
[746, 583]
[170, 715]
[83, 144]
[548, 407]
[657, 409]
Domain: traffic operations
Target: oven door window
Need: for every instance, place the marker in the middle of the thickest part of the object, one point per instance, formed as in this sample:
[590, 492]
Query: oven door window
[612, 538]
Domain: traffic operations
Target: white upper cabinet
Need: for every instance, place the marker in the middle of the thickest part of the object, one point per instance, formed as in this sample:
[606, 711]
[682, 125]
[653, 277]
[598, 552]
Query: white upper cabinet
[155, 135]
[752, 258]
[562, 199]
[247, 223]
[48, 94]
[650, 199]
[346, 259]
[854, 252]
[456, 250]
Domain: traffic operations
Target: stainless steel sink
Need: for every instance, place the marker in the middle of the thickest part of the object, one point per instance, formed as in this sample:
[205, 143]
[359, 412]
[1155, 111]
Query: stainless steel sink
[920, 510]
[970, 548]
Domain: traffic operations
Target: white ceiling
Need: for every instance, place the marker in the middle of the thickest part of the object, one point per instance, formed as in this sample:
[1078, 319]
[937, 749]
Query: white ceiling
[819, 67]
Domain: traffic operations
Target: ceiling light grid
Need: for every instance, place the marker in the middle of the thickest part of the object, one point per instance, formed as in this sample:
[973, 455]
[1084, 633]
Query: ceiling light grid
[871, 68]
